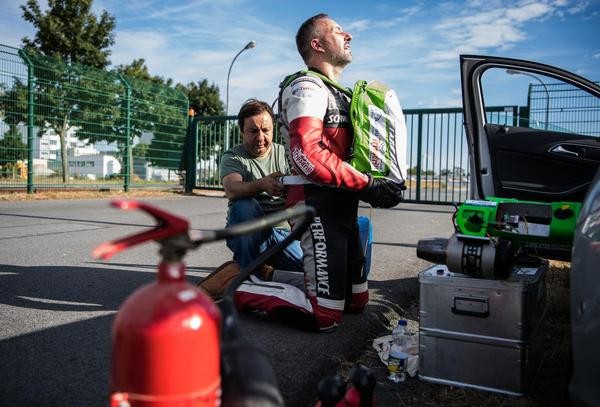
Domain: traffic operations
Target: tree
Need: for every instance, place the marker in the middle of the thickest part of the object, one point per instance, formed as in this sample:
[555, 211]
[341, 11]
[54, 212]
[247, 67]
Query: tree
[69, 31]
[456, 172]
[137, 69]
[205, 101]
[158, 108]
[165, 148]
[67, 98]
[12, 150]
[140, 150]
[204, 98]
[71, 35]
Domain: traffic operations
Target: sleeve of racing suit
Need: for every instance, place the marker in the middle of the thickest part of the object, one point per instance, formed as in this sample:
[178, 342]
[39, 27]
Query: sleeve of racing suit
[306, 105]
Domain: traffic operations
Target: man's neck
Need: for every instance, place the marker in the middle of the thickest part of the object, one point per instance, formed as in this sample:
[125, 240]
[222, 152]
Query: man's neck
[330, 71]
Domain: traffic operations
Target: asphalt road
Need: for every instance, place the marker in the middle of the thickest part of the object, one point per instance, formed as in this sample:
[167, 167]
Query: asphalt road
[57, 304]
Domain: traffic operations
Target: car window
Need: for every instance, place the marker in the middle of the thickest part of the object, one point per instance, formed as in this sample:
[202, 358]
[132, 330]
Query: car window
[525, 99]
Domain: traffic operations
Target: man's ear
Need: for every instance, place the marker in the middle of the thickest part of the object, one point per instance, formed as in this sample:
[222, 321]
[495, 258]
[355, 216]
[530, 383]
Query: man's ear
[316, 45]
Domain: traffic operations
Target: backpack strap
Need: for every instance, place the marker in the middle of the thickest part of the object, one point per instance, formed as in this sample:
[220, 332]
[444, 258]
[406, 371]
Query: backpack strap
[328, 81]
[283, 84]
[290, 78]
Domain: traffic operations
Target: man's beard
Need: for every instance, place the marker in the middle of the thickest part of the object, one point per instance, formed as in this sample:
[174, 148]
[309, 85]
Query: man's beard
[341, 59]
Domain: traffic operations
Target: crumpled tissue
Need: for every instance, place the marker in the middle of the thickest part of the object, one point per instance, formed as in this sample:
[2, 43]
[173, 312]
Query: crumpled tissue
[383, 345]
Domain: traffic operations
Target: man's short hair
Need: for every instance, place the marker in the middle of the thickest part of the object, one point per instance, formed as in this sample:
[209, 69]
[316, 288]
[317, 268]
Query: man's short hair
[307, 31]
[253, 107]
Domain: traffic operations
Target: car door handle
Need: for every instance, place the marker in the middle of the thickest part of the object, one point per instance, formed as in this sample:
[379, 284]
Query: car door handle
[561, 150]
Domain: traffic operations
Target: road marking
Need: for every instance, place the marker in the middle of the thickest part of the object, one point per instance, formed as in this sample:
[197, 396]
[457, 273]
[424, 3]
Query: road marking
[48, 301]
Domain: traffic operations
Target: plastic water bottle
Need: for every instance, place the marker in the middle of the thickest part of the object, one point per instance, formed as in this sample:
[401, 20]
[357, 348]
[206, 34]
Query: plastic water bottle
[401, 335]
[398, 357]
[397, 364]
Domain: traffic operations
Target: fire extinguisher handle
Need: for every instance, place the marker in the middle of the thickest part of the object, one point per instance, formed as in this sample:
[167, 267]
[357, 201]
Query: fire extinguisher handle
[168, 225]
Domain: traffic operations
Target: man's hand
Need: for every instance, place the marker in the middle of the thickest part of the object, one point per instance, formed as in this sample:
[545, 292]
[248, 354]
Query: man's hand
[382, 192]
[235, 188]
[271, 184]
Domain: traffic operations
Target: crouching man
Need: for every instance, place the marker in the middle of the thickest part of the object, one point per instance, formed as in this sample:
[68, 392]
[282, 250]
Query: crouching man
[250, 174]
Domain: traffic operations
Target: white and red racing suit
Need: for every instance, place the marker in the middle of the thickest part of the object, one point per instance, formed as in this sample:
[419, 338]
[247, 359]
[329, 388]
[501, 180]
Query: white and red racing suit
[316, 129]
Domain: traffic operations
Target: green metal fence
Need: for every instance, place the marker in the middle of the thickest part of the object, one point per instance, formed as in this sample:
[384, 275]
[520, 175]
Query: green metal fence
[437, 156]
[437, 151]
[564, 107]
[72, 126]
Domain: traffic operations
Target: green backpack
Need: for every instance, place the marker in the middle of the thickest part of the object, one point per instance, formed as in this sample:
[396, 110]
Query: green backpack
[379, 146]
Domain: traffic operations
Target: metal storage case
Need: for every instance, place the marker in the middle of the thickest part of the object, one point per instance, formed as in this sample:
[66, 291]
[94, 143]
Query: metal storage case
[482, 333]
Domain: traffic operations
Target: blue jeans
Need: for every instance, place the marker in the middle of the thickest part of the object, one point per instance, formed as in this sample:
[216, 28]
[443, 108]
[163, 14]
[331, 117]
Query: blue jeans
[248, 247]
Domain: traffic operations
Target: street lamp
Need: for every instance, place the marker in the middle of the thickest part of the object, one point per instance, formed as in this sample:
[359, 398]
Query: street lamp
[515, 72]
[251, 44]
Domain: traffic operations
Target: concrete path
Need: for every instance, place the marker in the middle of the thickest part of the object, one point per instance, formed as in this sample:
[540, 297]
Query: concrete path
[57, 303]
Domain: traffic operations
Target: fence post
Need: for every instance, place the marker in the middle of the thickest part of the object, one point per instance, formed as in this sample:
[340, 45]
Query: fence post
[126, 162]
[30, 119]
[419, 151]
[191, 153]
[524, 116]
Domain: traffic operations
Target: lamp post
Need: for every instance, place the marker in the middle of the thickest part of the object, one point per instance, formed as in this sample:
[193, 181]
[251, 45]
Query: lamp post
[250, 45]
[515, 72]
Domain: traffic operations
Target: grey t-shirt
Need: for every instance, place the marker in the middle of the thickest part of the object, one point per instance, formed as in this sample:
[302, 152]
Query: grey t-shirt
[237, 160]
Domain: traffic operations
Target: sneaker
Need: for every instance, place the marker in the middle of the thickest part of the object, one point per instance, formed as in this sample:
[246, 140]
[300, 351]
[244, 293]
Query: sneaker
[216, 282]
[265, 272]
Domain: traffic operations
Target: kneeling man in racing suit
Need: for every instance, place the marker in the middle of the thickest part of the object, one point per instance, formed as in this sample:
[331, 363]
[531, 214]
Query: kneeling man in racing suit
[315, 125]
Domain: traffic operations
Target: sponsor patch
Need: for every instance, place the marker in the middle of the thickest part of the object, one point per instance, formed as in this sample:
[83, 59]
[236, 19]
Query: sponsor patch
[336, 118]
[303, 92]
[377, 142]
[304, 87]
[304, 79]
[302, 161]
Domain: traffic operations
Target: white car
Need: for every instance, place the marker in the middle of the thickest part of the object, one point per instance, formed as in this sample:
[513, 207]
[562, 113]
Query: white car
[534, 134]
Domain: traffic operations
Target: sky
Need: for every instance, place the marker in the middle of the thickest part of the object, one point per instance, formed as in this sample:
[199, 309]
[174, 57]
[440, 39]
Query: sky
[413, 46]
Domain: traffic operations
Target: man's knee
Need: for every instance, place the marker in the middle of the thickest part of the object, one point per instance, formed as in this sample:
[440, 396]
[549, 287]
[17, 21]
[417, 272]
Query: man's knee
[244, 209]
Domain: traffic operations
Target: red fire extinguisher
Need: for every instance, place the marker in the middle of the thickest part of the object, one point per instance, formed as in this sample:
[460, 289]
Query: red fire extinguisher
[165, 337]
[172, 346]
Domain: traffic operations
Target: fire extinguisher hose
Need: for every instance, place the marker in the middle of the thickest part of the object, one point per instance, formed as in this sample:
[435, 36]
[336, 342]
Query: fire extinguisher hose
[246, 372]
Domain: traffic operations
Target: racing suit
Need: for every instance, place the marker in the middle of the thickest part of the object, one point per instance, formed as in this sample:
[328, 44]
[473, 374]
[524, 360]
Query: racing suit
[316, 129]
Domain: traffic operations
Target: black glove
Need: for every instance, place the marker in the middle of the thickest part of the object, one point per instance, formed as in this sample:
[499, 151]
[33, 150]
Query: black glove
[382, 192]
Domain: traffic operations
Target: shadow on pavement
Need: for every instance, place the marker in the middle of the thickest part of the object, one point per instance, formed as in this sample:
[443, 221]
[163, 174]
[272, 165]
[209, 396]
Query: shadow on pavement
[62, 366]
[67, 288]
[68, 364]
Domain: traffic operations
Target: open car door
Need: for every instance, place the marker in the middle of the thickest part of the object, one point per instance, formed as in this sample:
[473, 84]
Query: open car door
[533, 130]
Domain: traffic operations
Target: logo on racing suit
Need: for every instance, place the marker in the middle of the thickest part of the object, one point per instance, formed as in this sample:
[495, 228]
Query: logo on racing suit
[320, 247]
[306, 79]
[302, 161]
[337, 114]
[303, 92]
[304, 87]
[336, 118]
